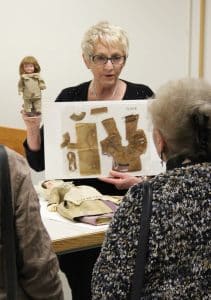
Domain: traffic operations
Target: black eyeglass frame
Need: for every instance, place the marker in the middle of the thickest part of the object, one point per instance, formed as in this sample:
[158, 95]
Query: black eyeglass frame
[108, 58]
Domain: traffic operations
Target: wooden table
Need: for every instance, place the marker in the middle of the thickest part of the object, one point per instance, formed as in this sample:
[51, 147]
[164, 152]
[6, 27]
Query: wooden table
[68, 236]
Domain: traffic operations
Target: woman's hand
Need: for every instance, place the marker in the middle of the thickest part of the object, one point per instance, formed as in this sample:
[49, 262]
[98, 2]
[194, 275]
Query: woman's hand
[121, 180]
[31, 122]
[33, 131]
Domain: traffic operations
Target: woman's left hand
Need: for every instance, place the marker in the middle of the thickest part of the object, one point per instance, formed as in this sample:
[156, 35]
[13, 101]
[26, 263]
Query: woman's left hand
[121, 180]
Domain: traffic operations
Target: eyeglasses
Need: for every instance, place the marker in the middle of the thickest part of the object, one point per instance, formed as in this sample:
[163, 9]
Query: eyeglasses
[102, 60]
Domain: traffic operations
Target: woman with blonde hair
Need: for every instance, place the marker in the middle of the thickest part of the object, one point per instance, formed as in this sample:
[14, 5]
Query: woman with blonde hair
[105, 50]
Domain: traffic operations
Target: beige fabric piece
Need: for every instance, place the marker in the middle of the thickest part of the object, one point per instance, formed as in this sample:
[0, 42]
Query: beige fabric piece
[76, 201]
[89, 162]
[98, 110]
[57, 193]
[87, 148]
[86, 136]
[81, 193]
[71, 211]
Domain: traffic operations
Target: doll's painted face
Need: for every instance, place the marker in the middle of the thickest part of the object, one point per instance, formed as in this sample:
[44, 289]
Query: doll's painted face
[28, 68]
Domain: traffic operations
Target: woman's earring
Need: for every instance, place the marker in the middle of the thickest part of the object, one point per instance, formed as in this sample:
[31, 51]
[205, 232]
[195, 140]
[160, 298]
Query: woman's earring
[161, 157]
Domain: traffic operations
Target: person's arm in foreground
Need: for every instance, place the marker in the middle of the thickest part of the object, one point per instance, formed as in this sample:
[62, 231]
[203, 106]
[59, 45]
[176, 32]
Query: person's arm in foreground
[37, 263]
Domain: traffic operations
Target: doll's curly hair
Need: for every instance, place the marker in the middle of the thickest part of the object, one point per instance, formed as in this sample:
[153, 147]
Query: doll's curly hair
[29, 60]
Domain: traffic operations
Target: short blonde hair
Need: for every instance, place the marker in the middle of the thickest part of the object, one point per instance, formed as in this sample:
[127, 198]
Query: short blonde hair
[29, 60]
[180, 106]
[107, 34]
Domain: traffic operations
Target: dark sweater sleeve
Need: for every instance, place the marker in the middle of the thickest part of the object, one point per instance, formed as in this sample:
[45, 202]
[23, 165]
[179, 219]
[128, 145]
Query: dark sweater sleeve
[36, 159]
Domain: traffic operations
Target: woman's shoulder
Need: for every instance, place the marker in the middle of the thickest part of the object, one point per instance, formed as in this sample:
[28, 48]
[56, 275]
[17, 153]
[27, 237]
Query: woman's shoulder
[137, 91]
[74, 93]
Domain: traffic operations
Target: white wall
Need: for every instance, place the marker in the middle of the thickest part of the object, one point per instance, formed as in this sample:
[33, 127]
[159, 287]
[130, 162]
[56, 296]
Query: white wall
[52, 30]
[207, 54]
[163, 42]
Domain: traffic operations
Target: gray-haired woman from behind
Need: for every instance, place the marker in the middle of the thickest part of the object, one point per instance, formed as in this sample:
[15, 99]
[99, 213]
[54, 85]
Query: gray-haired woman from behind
[179, 243]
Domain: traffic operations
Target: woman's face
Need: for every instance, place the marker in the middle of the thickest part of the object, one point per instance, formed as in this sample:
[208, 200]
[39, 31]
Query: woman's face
[106, 74]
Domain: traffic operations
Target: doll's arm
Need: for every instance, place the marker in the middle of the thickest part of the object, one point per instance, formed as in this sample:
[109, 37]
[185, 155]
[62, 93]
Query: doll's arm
[20, 86]
[42, 84]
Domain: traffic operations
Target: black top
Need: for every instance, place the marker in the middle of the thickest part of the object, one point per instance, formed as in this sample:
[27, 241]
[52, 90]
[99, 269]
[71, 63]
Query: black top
[80, 93]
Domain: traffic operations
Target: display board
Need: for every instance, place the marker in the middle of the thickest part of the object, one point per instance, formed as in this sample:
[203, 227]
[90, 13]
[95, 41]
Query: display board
[88, 139]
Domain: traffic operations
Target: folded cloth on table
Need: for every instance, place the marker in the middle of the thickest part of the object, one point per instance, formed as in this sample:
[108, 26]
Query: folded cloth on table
[81, 203]
[100, 219]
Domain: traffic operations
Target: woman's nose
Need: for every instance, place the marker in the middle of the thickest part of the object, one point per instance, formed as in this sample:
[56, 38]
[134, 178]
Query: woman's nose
[109, 64]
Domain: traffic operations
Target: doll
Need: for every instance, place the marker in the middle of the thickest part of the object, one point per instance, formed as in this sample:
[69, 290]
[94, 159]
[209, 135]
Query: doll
[30, 85]
[81, 203]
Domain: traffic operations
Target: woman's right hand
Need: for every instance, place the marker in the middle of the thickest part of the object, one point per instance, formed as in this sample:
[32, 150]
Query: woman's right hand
[33, 130]
[31, 122]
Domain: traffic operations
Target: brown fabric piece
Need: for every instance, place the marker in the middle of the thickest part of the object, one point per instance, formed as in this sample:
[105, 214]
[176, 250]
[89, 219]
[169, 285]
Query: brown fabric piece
[112, 143]
[66, 139]
[98, 110]
[131, 122]
[72, 161]
[125, 158]
[87, 146]
[78, 117]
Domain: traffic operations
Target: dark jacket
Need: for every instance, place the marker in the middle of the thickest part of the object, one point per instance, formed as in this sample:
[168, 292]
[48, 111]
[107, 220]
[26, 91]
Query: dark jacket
[80, 93]
[177, 265]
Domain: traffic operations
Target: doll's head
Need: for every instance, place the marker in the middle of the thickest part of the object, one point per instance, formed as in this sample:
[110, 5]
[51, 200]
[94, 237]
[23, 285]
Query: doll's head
[28, 65]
